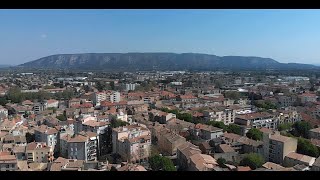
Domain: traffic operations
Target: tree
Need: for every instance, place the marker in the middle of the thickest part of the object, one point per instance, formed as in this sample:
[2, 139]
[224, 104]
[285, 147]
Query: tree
[285, 126]
[62, 117]
[232, 95]
[307, 148]
[3, 101]
[30, 137]
[221, 161]
[302, 128]
[255, 134]
[253, 160]
[217, 124]
[100, 86]
[117, 123]
[232, 128]
[112, 85]
[159, 163]
[167, 164]
[155, 162]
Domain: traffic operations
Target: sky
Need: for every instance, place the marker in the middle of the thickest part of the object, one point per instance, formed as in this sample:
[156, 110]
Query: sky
[284, 35]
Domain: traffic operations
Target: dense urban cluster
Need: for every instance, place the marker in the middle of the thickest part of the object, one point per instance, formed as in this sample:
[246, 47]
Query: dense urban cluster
[159, 121]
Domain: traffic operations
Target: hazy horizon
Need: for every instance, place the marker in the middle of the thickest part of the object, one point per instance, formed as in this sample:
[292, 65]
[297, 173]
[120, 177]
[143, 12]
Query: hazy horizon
[283, 35]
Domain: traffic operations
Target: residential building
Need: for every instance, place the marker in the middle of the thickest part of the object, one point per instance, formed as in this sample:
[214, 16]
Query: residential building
[184, 152]
[288, 116]
[48, 135]
[207, 132]
[91, 124]
[114, 97]
[314, 133]
[286, 101]
[8, 163]
[3, 112]
[130, 87]
[276, 146]
[98, 97]
[316, 165]
[38, 152]
[294, 158]
[52, 103]
[81, 146]
[202, 162]
[222, 114]
[168, 141]
[307, 97]
[38, 107]
[257, 120]
[131, 142]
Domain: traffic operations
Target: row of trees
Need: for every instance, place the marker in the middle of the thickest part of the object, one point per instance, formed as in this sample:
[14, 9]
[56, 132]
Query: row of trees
[183, 116]
[231, 128]
[16, 96]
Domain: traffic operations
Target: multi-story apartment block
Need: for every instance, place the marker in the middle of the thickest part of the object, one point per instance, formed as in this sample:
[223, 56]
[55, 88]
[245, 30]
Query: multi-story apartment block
[223, 114]
[276, 146]
[91, 124]
[81, 146]
[285, 101]
[38, 152]
[48, 135]
[308, 97]
[3, 112]
[38, 107]
[98, 97]
[258, 120]
[130, 86]
[132, 142]
[114, 97]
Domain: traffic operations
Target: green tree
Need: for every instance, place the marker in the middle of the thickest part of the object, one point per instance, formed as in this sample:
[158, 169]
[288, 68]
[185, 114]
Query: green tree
[159, 163]
[112, 85]
[302, 128]
[167, 164]
[62, 117]
[232, 128]
[30, 137]
[255, 134]
[253, 160]
[285, 126]
[3, 101]
[217, 124]
[221, 161]
[307, 148]
[232, 95]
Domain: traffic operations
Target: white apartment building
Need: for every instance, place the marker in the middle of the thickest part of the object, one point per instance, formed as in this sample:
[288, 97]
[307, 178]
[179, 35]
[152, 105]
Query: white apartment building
[92, 124]
[130, 86]
[257, 120]
[132, 142]
[114, 97]
[3, 112]
[98, 97]
[48, 135]
[223, 114]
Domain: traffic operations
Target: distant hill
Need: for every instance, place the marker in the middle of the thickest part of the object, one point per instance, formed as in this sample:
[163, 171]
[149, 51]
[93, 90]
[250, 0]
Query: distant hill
[157, 61]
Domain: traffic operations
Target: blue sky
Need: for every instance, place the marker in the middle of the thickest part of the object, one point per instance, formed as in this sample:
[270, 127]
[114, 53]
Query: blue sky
[284, 35]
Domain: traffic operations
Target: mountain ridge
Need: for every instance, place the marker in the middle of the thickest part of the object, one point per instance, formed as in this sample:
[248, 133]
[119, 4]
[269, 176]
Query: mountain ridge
[158, 61]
